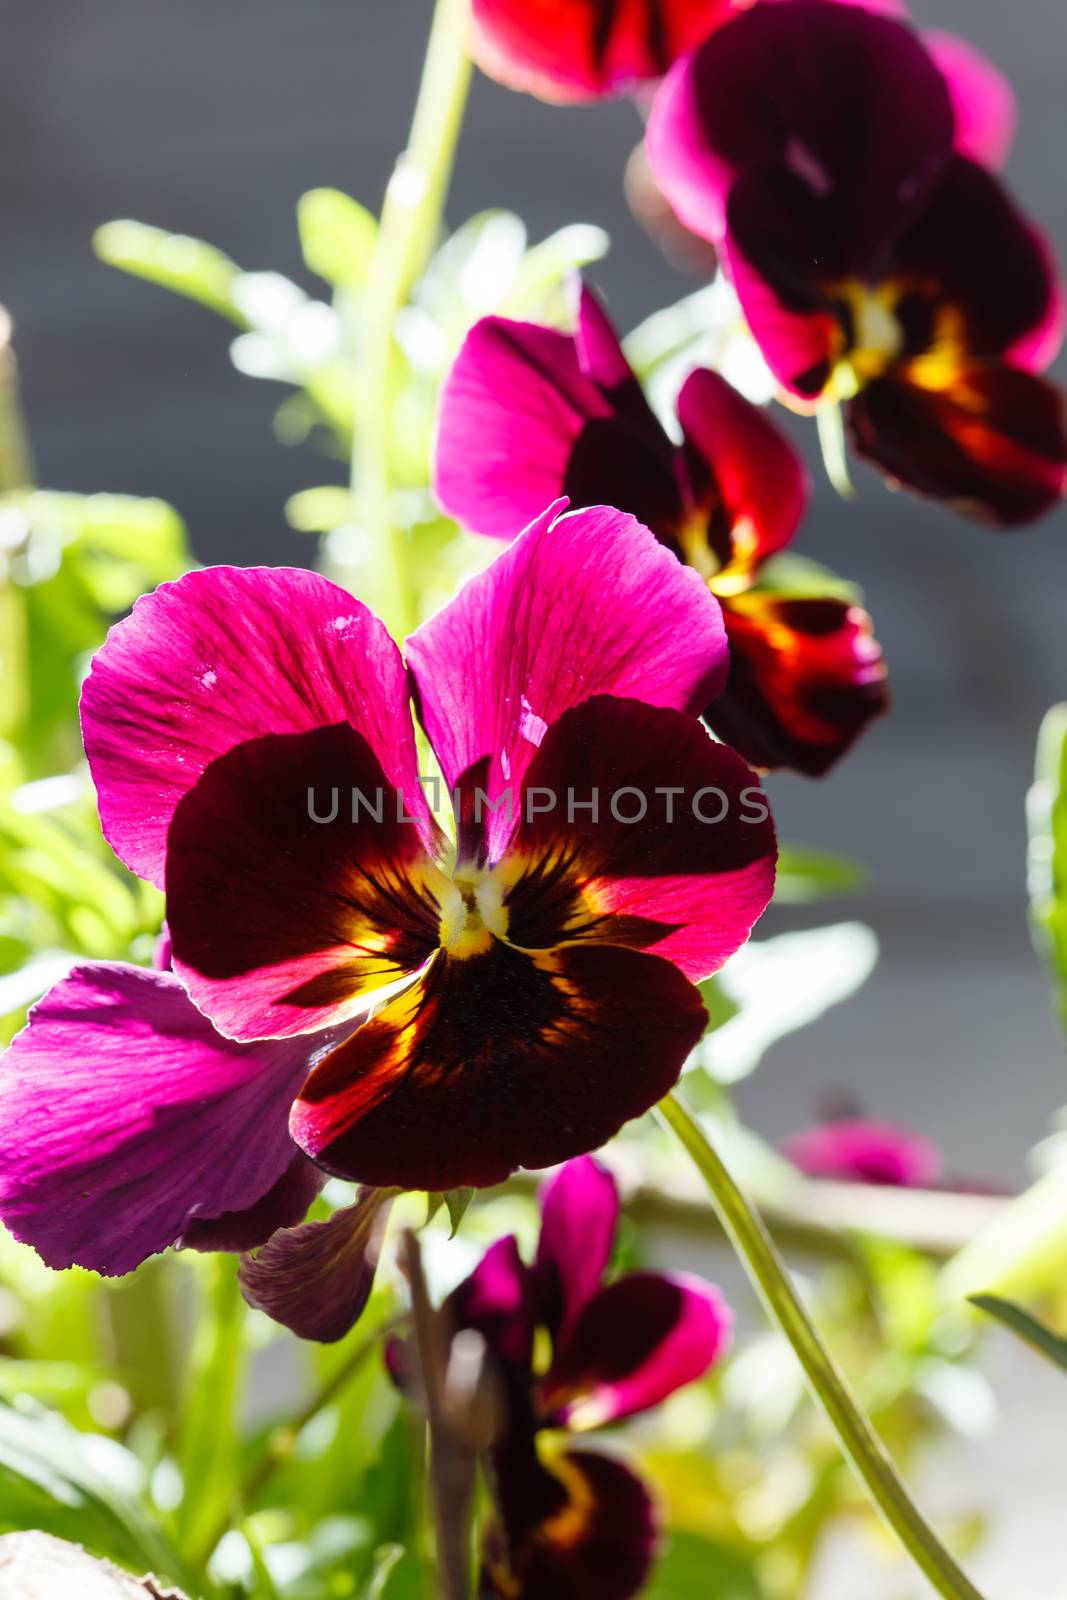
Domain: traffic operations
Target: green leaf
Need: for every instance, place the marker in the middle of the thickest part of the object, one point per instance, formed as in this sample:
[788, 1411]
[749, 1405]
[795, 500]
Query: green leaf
[90, 1476]
[337, 236]
[780, 985]
[1022, 1252]
[807, 875]
[319, 510]
[788, 573]
[207, 1448]
[458, 1203]
[1027, 1327]
[187, 266]
[693, 1568]
[1046, 810]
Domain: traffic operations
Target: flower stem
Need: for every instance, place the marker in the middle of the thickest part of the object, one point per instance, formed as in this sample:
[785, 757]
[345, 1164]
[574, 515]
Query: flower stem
[858, 1440]
[407, 233]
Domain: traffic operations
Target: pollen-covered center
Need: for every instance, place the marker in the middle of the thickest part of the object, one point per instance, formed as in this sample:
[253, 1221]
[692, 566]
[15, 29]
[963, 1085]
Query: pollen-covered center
[472, 912]
[873, 335]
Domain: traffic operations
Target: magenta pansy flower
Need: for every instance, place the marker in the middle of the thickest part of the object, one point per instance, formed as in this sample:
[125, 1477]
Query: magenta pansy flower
[576, 1524]
[877, 264]
[582, 49]
[862, 1150]
[558, 413]
[349, 986]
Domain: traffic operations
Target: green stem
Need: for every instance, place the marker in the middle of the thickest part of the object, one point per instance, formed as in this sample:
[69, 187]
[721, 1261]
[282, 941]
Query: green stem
[857, 1438]
[830, 421]
[410, 222]
[16, 472]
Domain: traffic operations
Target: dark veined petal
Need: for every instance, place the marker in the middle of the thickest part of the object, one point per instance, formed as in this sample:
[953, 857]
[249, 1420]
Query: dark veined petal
[579, 1216]
[316, 1279]
[992, 275]
[848, 101]
[283, 921]
[581, 49]
[553, 415]
[497, 1061]
[992, 446]
[678, 856]
[223, 656]
[579, 605]
[860, 1150]
[635, 1343]
[125, 1118]
[806, 678]
[756, 476]
[283, 1206]
[591, 1535]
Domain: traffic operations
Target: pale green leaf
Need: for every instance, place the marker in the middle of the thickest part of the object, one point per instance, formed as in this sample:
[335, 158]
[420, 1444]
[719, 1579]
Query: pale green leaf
[337, 236]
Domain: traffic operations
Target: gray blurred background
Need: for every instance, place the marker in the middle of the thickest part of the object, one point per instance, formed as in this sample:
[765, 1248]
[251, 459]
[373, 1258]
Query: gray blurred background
[213, 118]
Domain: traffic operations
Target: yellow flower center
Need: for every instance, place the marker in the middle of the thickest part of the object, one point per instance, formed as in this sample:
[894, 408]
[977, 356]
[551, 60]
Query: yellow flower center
[473, 912]
[877, 337]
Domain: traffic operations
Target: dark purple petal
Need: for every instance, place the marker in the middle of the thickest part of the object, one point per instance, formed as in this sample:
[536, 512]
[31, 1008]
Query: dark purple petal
[125, 1119]
[501, 1060]
[316, 1279]
[806, 677]
[678, 858]
[283, 1206]
[993, 445]
[849, 102]
[591, 1535]
[223, 656]
[579, 1216]
[634, 1344]
[284, 921]
[991, 275]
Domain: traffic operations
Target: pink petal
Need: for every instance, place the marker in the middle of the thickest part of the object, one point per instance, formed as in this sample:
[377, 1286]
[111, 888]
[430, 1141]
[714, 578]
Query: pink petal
[220, 657]
[761, 479]
[857, 1150]
[125, 1118]
[519, 391]
[580, 605]
[982, 99]
[637, 1342]
[579, 1216]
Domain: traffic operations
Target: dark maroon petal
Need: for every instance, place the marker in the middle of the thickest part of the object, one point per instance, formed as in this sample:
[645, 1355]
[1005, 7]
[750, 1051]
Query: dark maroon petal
[755, 478]
[497, 1301]
[283, 1205]
[497, 1061]
[678, 857]
[985, 263]
[316, 1279]
[847, 101]
[581, 49]
[806, 678]
[579, 1216]
[993, 445]
[594, 1539]
[635, 1343]
[282, 923]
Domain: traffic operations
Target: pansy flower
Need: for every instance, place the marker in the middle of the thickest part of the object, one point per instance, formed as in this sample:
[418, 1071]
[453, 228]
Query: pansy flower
[864, 1150]
[583, 49]
[556, 413]
[406, 1012]
[571, 1353]
[877, 265]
